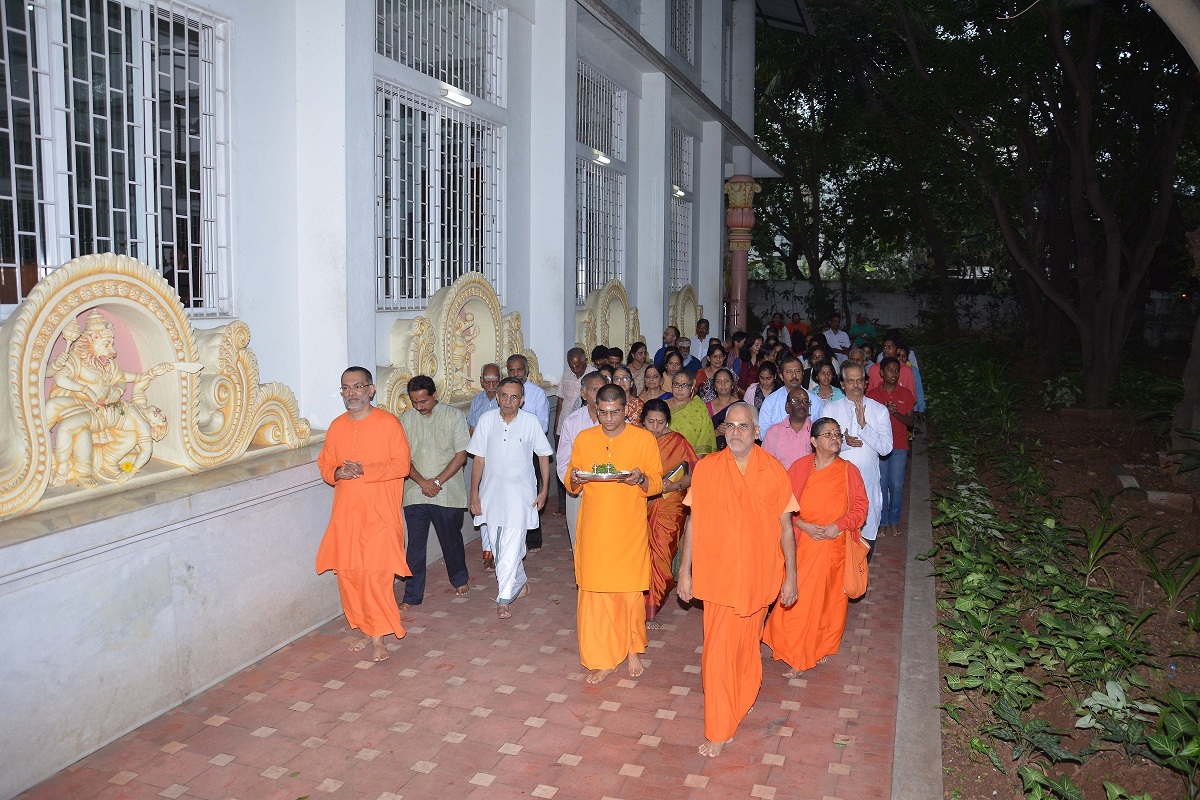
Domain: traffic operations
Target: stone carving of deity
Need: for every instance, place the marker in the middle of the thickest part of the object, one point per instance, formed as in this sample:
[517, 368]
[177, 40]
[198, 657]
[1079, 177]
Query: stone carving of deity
[99, 434]
[461, 350]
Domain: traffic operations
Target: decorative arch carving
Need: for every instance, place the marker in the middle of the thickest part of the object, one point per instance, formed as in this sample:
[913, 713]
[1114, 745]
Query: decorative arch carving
[461, 330]
[203, 386]
[607, 319]
[683, 312]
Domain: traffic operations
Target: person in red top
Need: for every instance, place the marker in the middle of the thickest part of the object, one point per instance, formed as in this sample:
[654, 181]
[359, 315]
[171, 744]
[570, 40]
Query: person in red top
[899, 402]
[365, 459]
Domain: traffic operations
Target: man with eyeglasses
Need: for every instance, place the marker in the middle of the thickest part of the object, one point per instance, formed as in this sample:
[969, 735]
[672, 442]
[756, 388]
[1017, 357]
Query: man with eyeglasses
[738, 555]
[489, 380]
[774, 408]
[867, 429]
[691, 364]
[791, 440]
[365, 458]
[504, 492]
[612, 545]
[537, 404]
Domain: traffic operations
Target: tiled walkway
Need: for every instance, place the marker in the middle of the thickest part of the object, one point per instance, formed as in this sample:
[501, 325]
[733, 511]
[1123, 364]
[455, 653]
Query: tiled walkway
[469, 706]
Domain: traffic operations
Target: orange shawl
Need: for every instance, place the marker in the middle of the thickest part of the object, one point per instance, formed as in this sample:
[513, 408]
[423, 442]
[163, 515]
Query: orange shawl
[829, 495]
[737, 559]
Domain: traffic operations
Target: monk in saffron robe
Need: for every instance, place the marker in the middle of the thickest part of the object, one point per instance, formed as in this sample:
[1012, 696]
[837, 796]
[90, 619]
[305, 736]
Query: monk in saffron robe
[739, 555]
[667, 511]
[833, 504]
[612, 550]
[366, 459]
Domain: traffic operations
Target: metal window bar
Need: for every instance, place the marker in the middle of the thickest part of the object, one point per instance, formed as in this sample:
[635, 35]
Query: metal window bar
[600, 112]
[114, 137]
[459, 42]
[682, 148]
[438, 197]
[679, 265]
[683, 28]
[599, 227]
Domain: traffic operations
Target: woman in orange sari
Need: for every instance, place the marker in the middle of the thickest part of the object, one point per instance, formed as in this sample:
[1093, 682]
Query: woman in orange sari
[667, 510]
[833, 504]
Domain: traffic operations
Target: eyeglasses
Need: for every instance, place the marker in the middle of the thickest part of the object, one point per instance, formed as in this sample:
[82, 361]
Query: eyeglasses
[617, 412]
[680, 385]
[799, 401]
[355, 387]
[830, 435]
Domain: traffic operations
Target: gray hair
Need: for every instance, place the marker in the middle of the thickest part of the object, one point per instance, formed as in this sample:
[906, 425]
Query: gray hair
[748, 406]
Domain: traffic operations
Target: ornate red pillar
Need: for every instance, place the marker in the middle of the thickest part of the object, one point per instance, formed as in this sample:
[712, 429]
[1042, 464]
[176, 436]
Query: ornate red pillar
[739, 219]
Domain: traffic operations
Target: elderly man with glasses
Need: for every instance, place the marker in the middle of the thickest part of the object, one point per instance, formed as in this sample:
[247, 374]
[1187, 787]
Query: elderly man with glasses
[791, 440]
[366, 459]
[867, 429]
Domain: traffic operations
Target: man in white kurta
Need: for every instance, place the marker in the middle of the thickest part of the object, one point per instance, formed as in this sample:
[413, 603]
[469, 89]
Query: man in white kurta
[504, 493]
[867, 434]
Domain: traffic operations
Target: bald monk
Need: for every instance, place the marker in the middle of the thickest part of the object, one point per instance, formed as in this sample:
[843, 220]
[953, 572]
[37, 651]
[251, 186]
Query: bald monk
[739, 555]
[612, 537]
[366, 459]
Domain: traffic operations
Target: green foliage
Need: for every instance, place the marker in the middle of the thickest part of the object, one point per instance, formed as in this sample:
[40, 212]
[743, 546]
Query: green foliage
[1065, 391]
[1177, 740]
[1097, 540]
[1020, 608]
[1175, 576]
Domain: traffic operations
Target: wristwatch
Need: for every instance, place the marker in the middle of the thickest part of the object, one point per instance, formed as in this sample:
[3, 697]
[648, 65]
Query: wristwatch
[437, 483]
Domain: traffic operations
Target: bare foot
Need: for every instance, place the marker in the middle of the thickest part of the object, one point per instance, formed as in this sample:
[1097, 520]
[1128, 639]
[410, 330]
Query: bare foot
[599, 675]
[653, 624]
[360, 644]
[405, 607]
[793, 673]
[533, 550]
[461, 590]
[635, 665]
[381, 653]
[503, 612]
[713, 749]
[524, 592]
[489, 561]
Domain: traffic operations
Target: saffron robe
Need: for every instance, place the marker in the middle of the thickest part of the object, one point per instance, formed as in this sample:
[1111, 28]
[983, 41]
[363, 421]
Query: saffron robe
[612, 544]
[667, 514]
[812, 628]
[364, 541]
[737, 570]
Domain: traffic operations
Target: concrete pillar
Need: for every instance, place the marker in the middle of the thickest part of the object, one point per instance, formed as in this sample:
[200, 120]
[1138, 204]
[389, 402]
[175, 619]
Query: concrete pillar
[708, 271]
[322, 265]
[548, 279]
[739, 219]
[646, 251]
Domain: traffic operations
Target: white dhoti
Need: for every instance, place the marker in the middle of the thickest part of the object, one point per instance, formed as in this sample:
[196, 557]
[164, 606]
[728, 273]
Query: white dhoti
[572, 512]
[509, 551]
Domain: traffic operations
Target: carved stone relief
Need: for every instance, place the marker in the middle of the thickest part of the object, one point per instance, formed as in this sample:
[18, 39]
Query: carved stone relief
[89, 413]
[607, 319]
[461, 330]
[683, 311]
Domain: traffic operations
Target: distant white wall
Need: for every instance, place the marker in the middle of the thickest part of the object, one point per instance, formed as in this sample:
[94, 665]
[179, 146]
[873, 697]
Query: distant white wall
[893, 309]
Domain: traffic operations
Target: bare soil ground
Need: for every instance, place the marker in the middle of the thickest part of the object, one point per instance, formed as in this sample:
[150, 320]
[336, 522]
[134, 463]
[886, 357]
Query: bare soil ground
[1076, 451]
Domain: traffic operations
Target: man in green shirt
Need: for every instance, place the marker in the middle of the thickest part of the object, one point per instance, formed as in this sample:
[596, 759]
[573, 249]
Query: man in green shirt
[434, 491]
[862, 331]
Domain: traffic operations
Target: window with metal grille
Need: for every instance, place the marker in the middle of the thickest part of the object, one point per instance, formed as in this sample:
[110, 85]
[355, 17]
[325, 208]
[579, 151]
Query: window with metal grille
[683, 28]
[599, 226]
[600, 113]
[114, 137]
[679, 245]
[458, 42]
[438, 212]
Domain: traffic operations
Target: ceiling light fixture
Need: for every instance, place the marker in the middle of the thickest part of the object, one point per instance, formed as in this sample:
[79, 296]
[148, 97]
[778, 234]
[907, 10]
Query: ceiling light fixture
[455, 96]
[600, 158]
[675, 190]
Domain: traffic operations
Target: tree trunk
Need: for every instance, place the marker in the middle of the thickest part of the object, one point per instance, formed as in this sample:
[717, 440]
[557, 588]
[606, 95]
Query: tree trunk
[937, 247]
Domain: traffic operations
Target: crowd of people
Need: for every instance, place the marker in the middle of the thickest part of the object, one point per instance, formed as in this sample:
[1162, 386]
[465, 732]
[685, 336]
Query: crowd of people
[738, 479]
